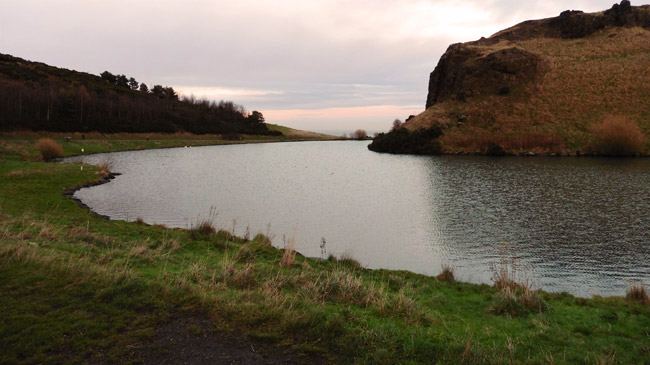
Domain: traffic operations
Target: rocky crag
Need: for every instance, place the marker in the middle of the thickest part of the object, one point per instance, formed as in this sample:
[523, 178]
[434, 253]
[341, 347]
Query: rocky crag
[545, 86]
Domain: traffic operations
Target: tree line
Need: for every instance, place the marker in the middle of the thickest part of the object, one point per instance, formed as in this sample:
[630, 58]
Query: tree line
[35, 96]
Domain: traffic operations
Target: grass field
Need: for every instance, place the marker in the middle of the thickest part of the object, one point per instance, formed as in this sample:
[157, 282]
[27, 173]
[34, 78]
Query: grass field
[77, 288]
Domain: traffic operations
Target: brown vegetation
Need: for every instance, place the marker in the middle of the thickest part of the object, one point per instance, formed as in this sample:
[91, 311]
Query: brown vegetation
[636, 292]
[516, 296]
[202, 230]
[49, 149]
[549, 108]
[447, 274]
[617, 136]
[359, 134]
[289, 256]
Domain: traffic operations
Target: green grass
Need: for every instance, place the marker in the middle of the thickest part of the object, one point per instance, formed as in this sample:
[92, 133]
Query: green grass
[21, 143]
[275, 127]
[78, 288]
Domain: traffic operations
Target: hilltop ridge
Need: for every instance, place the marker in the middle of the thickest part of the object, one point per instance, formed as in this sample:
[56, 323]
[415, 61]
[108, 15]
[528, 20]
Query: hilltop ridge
[38, 97]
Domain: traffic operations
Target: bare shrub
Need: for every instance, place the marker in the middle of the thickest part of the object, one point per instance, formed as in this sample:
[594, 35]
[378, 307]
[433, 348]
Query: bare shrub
[617, 136]
[636, 292]
[360, 134]
[49, 149]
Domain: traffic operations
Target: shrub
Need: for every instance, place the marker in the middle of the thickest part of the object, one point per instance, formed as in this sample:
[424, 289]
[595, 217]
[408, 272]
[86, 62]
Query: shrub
[420, 142]
[49, 149]
[617, 136]
[495, 149]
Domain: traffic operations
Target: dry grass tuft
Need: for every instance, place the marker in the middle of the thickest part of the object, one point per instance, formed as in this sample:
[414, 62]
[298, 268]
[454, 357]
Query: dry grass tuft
[341, 286]
[516, 296]
[261, 238]
[49, 149]
[245, 254]
[171, 244]
[85, 235]
[447, 274]
[104, 170]
[238, 277]
[636, 292]
[346, 259]
[202, 229]
[289, 256]
[617, 136]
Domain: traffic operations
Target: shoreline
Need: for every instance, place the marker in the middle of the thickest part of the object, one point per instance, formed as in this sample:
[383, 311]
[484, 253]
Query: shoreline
[105, 288]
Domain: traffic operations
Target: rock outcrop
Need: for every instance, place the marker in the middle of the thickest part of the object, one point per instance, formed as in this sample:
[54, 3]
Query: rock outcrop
[471, 69]
[544, 86]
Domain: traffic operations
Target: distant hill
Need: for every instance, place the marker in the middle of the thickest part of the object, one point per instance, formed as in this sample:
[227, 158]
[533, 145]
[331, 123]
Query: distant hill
[38, 97]
[576, 83]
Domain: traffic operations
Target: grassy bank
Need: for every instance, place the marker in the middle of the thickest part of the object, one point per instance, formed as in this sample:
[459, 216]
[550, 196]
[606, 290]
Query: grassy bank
[78, 288]
[22, 143]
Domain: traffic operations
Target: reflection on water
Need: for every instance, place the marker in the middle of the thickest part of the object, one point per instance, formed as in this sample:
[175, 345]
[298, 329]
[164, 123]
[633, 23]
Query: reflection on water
[575, 224]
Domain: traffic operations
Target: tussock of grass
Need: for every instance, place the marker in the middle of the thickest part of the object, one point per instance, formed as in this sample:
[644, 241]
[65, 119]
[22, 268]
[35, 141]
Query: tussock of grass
[515, 294]
[202, 230]
[289, 256]
[49, 149]
[447, 274]
[636, 292]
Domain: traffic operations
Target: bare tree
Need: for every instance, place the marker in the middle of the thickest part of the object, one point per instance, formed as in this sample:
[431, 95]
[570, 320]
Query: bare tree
[360, 134]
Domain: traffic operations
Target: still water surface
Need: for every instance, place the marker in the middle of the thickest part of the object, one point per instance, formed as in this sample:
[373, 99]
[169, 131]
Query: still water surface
[574, 224]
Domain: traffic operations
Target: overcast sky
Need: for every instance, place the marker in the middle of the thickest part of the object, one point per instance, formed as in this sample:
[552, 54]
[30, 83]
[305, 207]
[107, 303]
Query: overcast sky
[309, 64]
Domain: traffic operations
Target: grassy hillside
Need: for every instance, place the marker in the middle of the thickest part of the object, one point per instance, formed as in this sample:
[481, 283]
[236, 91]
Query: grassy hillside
[296, 133]
[77, 288]
[530, 88]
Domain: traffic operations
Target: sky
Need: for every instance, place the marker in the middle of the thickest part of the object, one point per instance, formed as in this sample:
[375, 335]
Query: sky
[320, 65]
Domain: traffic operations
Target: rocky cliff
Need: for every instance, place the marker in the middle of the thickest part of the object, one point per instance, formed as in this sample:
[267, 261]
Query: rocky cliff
[543, 85]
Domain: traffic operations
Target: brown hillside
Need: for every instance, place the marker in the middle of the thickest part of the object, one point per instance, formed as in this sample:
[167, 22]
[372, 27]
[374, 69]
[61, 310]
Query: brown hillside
[546, 85]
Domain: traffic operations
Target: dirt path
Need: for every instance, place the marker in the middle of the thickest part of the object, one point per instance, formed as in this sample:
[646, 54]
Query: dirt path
[194, 340]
